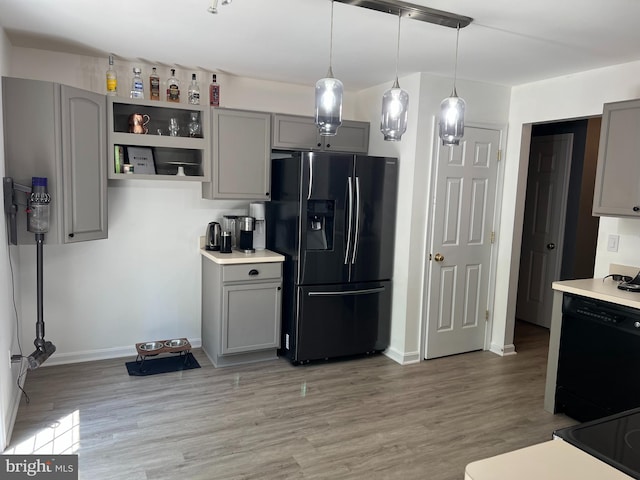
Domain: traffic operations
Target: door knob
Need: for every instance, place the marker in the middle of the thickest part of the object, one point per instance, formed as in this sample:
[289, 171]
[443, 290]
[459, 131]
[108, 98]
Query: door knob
[438, 257]
[551, 246]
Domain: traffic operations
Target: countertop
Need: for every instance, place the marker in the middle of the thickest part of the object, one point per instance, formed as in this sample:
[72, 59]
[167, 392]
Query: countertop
[237, 257]
[552, 460]
[606, 290]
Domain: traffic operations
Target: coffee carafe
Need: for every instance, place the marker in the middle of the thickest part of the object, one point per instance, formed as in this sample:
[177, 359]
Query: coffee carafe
[257, 211]
[246, 225]
[230, 224]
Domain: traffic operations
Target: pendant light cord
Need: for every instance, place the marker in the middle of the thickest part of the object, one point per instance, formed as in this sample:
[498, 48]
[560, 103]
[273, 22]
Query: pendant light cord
[398, 49]
[455, 68]
[331, 44]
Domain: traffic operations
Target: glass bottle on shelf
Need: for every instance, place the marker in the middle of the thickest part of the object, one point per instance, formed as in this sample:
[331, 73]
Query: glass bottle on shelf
[112, 79]
[154, 85]
[214, 92]
[173, 88]
[137, 85]
[194, 91]
[195, 130]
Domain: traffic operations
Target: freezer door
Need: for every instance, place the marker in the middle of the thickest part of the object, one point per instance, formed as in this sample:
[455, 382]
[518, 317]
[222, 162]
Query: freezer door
[341, 320]
[326, 208]
[375, 186]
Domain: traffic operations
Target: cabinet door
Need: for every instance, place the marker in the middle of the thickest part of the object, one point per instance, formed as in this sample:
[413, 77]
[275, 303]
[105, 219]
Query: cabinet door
[352, 137]
[241, 144]
[293, 132]
[250, 317]
[84, 164]
[617, 187]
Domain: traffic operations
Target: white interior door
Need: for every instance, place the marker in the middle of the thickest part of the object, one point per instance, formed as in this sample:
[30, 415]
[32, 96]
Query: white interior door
[542, 234]
[461, 243]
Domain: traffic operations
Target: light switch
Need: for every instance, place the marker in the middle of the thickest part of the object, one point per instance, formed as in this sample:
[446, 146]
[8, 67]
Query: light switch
[612, 243]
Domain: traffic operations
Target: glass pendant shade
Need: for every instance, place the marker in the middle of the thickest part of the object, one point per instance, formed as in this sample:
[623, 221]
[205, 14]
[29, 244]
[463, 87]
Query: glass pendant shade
[395, 104]
[328, 104]
[452, 119]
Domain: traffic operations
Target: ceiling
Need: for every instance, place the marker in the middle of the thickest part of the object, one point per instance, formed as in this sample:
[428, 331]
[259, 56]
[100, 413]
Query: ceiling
[508, 43]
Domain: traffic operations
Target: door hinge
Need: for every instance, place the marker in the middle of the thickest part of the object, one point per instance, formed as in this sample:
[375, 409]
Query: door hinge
[486, 315]
[492, 238]
[499, 154]
[430, 257]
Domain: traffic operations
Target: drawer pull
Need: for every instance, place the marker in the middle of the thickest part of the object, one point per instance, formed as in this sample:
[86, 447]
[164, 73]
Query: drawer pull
[253, 272]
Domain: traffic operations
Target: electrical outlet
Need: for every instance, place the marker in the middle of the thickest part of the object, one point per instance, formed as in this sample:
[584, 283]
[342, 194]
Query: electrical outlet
[612, 243]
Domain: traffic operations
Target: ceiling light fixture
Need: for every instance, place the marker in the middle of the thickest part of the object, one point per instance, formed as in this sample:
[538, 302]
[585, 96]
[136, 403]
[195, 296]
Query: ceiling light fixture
[213, 7]
[329, 97]
[452, 111]
[395, 105]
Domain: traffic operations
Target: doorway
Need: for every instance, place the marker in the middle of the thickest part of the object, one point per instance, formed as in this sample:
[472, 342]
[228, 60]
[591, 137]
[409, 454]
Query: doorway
[579, 230]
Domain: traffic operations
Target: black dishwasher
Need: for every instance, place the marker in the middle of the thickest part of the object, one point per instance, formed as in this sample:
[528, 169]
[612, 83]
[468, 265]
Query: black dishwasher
[599, 358]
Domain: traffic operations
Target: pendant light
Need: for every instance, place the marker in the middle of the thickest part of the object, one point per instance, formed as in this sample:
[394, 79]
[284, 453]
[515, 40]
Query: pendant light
[395, 104]
[452, 111]
[329, 97]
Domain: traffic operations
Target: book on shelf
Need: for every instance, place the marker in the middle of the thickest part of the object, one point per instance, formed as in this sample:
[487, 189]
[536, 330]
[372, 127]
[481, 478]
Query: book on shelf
[118, 158]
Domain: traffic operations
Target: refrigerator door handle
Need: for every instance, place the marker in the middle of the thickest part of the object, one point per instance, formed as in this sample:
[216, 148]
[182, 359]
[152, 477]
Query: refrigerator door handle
[366, 291]
[356, 237]
[349, 221]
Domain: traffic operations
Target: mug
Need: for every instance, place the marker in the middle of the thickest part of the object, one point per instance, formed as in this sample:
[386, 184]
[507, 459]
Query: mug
[138, 123]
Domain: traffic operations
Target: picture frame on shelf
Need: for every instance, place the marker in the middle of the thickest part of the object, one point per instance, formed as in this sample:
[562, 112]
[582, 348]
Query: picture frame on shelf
[142, 160]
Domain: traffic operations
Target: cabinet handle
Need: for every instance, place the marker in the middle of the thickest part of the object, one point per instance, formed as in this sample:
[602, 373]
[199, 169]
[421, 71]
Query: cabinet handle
[636, 208]
[253, 272]
[328, 145]
[280, 288]
[71, 235]
[319, 144]
[266, 194]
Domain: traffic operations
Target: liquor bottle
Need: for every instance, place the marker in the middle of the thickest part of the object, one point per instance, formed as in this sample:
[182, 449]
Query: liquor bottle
[154, 85]
[112, 79]
[214, 93]
[194, 91]
[173, 88]
[137, 85]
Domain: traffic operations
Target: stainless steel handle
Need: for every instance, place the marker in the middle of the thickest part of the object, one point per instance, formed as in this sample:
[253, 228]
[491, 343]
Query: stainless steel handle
[356, 237]
[310, 176]
[349, 221]
[366, 291]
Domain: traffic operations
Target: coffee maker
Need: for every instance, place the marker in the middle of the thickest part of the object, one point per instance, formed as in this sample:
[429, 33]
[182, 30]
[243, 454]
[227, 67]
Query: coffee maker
[257, 211]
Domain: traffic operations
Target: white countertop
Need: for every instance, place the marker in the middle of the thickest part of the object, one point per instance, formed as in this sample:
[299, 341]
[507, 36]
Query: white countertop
[238, 257]
[606, 290]
[552, 460]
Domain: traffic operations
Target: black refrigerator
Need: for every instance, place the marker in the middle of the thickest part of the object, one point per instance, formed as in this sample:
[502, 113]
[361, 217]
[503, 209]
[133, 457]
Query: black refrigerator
[333, 218]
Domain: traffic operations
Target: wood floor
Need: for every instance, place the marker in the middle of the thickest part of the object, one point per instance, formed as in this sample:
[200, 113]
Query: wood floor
[361, 419]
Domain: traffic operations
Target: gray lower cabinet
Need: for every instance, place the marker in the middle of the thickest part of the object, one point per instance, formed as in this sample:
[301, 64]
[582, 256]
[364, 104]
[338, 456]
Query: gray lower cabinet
[241, 155]
[295, 132]
[241, 311]
[58, 132]
[617, 185]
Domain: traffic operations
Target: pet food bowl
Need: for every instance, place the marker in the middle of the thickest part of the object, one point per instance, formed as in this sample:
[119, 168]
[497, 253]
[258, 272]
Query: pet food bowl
[176, 343]
[151, 346]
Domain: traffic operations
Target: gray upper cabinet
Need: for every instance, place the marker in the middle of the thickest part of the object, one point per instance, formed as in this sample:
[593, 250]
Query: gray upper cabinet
[617, 187]
[294, 132]
[241, 146]
[58, 132]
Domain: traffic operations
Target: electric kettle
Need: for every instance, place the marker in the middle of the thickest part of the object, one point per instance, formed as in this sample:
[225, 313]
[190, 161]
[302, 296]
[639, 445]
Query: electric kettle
[212, 240]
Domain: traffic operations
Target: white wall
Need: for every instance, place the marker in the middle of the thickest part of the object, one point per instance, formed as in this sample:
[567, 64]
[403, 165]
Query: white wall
[143, 282]
[486, 104]
[9, 393]
[572, 96]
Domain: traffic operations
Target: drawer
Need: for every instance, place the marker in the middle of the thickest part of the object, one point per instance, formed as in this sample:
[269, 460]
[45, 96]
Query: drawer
[249, 272]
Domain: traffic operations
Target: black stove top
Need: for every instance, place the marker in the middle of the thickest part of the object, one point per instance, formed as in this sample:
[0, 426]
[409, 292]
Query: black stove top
[614, 440]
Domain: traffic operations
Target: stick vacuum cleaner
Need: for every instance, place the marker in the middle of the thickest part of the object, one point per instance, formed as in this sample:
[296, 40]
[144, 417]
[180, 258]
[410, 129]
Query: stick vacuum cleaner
[38, 223]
